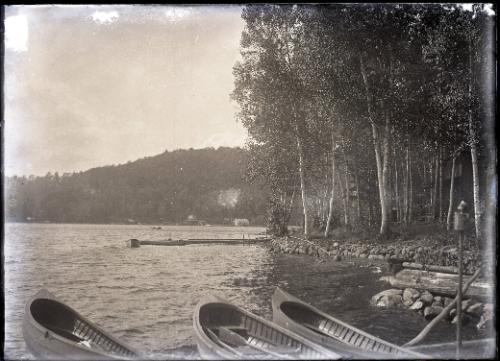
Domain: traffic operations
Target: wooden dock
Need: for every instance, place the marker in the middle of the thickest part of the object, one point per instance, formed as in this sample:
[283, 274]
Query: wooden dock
[135, 243]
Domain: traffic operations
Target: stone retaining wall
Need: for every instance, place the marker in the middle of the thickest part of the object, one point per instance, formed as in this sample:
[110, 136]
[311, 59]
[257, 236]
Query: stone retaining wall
[419, 252]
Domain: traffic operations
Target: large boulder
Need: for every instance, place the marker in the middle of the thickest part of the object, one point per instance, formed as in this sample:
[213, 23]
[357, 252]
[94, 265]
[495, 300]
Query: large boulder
[389, 301]
[387, 298]
[475, 309]
[486, 317]
[466, 304]
[410, 295]
[465, 319]
[453, 313]
[438, 300]
[418, 305]
[432, 311]
[427, 298]
[447, 301]
[436, 304]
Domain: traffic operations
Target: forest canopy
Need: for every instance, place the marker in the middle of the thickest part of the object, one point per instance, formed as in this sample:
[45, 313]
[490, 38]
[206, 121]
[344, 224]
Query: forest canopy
[167, 188]
[365, 112]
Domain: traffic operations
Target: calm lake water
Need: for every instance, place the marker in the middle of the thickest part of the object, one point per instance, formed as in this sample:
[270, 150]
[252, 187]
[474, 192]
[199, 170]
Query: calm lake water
[146, 296]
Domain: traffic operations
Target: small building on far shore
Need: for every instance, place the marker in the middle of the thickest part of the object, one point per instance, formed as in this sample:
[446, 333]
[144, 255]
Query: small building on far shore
[241, 222]
[193, 221]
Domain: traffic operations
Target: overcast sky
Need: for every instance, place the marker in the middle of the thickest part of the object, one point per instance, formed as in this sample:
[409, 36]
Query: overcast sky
[87, 86]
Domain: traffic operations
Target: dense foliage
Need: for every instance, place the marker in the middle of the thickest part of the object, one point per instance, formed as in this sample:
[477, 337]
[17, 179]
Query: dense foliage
[360, 109]
[208, 183]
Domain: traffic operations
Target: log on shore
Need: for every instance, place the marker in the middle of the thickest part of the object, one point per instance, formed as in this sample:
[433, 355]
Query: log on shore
[434, 268]
[438, 283]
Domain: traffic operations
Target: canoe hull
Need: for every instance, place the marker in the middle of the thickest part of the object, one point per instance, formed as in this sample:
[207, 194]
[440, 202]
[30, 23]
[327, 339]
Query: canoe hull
[358, 344]
[43, 345]
[79, 339]
[261, 339]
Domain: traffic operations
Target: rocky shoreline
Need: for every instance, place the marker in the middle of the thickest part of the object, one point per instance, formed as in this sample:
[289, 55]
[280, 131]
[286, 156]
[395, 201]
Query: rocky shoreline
[421, 251]
[430, 305]
[426, 252]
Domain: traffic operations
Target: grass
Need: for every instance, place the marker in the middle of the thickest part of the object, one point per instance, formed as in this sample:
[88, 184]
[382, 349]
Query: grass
[416, 232]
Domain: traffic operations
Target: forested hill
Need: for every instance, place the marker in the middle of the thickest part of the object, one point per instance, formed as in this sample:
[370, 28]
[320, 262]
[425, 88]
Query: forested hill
[208, 183]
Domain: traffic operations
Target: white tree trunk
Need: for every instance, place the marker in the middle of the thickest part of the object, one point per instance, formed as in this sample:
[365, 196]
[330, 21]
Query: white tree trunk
[386, 202]
[325, 201]
[396, 187]
[408, 192]
[330, 212]
[290, 204]
[381, 167]
[342, 194]
[435, 205]
[431, 184]
[347, 213]
[441, 205]
[303, 187]
[358, 199]
[452, 186]
[477, 200]
[473, 152]
[410, 200]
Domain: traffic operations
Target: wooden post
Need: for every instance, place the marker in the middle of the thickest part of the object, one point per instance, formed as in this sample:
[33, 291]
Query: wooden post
[460, 217]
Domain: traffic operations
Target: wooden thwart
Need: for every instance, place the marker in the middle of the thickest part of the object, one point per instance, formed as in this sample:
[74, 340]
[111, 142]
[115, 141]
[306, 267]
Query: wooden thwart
[232, 337]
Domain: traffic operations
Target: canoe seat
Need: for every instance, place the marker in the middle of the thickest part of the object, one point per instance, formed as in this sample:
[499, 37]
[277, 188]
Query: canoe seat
[240, 351]
[64, 333]
[239, 339]
[233, 336]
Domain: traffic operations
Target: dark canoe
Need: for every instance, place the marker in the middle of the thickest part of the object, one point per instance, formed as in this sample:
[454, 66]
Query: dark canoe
[474, 349]
[225, 331]
[348, 341]
[53, 330]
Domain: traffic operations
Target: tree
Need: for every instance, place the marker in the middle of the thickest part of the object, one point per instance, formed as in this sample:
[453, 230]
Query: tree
[267, 87]
[318, 82]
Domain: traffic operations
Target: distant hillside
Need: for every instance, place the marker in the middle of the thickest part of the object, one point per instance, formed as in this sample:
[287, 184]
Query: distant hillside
[208, 183]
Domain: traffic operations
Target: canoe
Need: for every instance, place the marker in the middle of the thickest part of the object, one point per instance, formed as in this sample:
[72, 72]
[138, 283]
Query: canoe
[226, 331]
[323, 329]
[53, 330]
[473, 349]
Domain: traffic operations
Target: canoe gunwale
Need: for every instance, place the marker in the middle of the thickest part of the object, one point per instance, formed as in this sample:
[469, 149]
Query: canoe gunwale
[222, 353]
[30, 322]
[281, 297]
